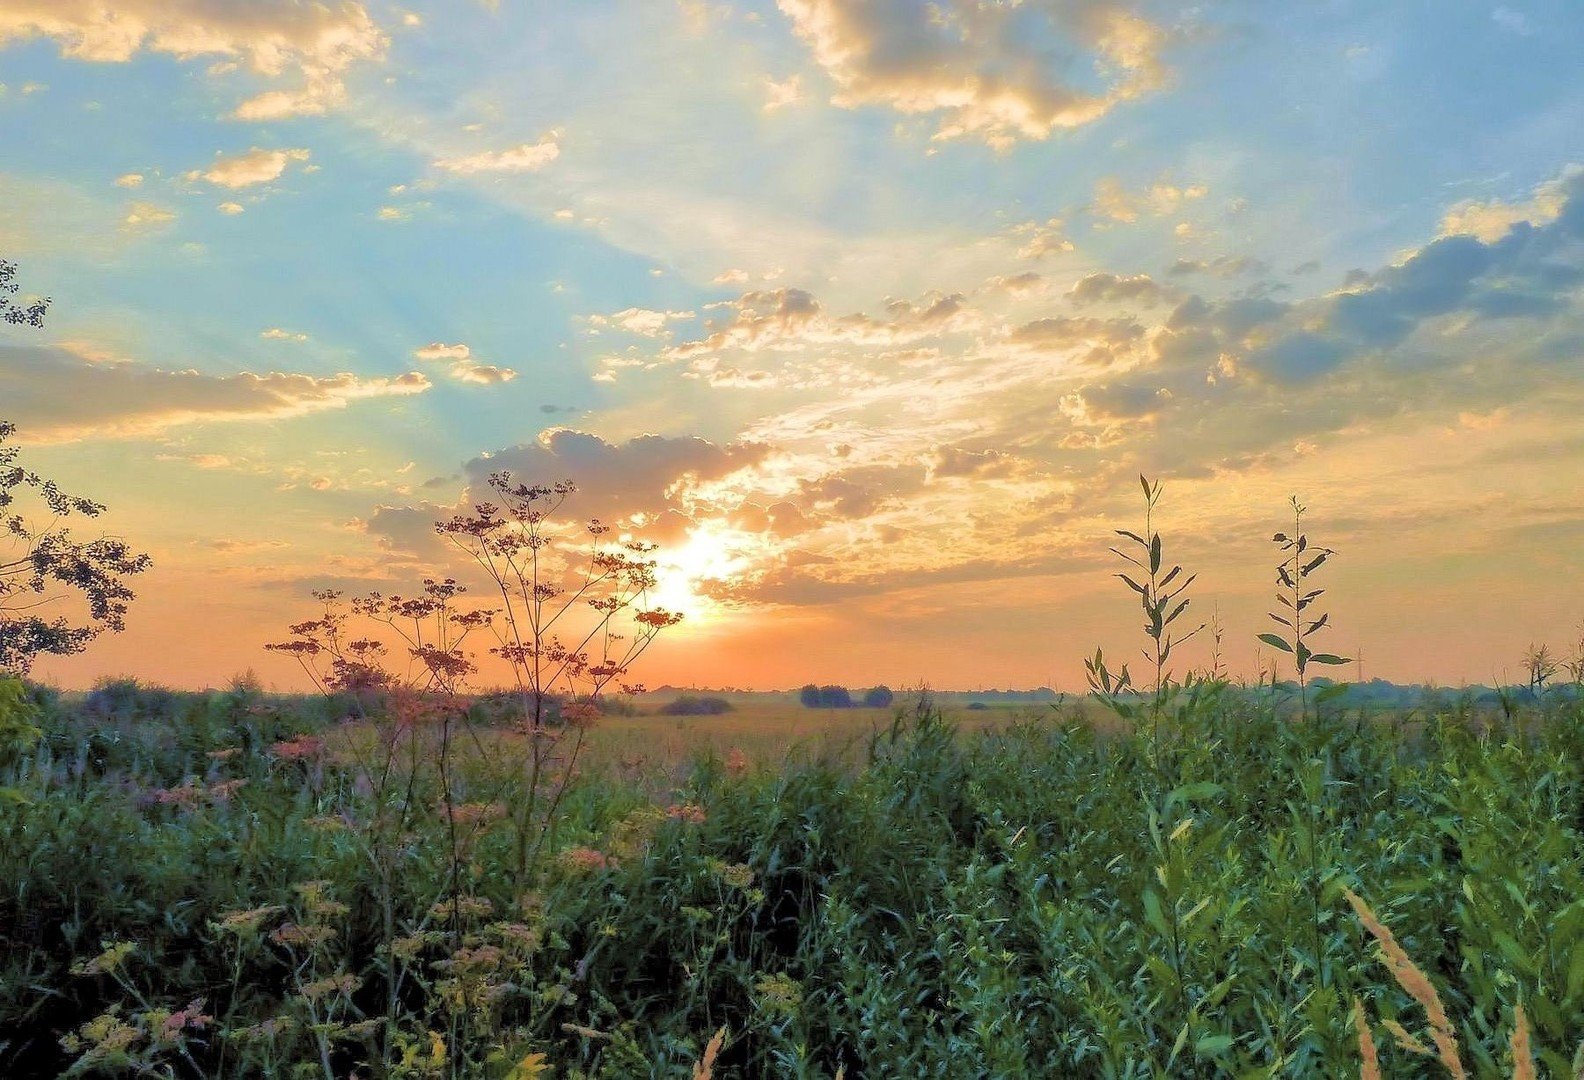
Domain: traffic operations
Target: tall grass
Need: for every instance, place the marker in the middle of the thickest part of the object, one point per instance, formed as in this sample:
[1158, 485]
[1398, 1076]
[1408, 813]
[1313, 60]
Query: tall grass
[228, 884]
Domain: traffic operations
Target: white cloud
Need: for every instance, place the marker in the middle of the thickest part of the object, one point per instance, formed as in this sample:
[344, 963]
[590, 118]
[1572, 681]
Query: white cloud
[642, 321]
[129, 180]
[147, 215]
[1490, 221]
[317, 42]
[986, 69]
[256, 166]
[463, 366]
[275, 333]
[779, 95]
[526, 157]
[1116, 203]
[230, 208]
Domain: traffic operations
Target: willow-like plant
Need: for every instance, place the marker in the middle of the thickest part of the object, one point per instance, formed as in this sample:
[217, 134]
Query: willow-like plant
[1300, 561]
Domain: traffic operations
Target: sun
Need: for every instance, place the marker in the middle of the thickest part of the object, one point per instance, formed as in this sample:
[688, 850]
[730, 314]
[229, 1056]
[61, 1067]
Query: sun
[712, 554]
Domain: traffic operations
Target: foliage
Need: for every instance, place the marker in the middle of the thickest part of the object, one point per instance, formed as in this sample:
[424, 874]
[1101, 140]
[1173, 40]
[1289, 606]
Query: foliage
[31, 314]
[1020, 902]
[44, 567]
[1299, 564]
[825, 697]
[696, 705]
[878, 697]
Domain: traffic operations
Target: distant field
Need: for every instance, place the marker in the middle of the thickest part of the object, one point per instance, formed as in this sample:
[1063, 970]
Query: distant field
[769, 729]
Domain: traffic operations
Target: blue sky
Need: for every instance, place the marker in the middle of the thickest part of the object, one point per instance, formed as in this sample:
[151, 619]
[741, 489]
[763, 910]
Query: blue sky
[910, 292]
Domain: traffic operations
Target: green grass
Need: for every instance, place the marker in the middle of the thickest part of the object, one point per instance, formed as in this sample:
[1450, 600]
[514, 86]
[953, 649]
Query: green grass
[1031, 897]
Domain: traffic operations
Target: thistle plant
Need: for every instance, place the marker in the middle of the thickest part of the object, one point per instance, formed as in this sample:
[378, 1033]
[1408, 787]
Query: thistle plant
[1300, 561]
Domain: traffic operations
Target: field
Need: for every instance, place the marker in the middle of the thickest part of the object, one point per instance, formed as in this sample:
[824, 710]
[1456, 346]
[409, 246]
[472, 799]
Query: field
[231, 884]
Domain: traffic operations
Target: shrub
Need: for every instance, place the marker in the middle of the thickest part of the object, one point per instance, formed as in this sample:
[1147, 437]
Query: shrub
[696, 705]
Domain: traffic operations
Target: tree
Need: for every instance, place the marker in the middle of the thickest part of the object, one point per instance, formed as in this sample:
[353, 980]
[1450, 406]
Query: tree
[835, 697]
[12, 312]
[879, 697]
[810, 696]
[43, 567]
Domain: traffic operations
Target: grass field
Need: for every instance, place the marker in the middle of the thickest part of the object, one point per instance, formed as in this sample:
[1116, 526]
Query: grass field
[197, 885]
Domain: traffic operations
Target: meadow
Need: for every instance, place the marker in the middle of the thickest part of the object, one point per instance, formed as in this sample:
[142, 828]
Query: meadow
[216, 884]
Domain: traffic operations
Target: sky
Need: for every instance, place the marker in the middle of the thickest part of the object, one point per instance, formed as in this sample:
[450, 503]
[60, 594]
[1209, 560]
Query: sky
[869, 312]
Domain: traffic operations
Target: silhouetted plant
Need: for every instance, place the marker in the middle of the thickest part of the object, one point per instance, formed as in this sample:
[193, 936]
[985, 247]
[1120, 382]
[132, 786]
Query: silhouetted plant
[44, 566]
[1541, 667]
[1160, 591]
[1298, 565]
[548, 580]
[31, 314]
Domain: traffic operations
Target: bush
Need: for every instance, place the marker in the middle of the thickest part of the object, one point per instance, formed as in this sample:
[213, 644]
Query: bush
[696, 705]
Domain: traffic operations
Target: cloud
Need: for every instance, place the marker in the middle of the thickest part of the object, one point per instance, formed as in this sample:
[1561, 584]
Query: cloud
[1039, 240]
[652, 480]
[317, 42]
[1226, 266]
[1490, 221]
[230, 208]
[129, 180]
[790, 317]
[146, 215]
[462, 364]
[642, 321]
[1112, 288]
[275, 333]
[988, 71]
[256, 166]
[1115, 203]
[780, 95]
[58, 396]
[526, 157]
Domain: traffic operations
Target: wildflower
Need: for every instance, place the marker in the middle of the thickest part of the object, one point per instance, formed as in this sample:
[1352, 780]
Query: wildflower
[478, 813]
[586, 859]
[248, 922]
[779, 993]
[301, 748]
[327, 823]
[736, 761]
[188, 796]
[223, 791]
[691, 813]
[192, 1016]
[317, 902]
[343, 984]
[107, 962]
[516, 935]
[580, 714]
[465, 907]
[737, 875]
[295, 934]
[103, 1036]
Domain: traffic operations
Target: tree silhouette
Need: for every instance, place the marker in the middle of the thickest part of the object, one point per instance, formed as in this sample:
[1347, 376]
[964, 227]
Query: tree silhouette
[43, 567]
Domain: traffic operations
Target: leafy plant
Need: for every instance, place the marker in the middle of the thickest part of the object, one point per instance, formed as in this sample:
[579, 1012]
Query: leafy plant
[1299, 563]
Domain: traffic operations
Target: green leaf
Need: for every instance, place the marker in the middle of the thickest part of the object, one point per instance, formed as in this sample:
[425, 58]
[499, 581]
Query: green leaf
[1275, 642]
[1154, 914]
[1329, 658]
[1135, 586]
[1155, 553]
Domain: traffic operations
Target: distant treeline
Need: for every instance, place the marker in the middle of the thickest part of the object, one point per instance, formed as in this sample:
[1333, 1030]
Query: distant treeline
[839, 697]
